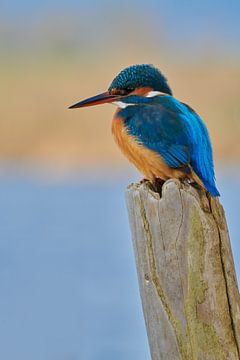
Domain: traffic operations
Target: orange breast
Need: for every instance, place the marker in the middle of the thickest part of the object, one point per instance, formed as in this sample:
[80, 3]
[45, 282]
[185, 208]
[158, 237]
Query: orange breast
[148, 162]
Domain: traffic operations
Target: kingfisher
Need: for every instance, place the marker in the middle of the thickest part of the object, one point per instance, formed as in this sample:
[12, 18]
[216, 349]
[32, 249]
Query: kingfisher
[163, 137]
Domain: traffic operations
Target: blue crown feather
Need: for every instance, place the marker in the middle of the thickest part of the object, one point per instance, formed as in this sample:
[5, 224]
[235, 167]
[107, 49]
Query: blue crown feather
[137, 76]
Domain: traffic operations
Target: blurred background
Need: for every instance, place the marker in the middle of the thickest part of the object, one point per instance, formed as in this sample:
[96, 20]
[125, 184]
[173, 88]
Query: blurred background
[67, 275]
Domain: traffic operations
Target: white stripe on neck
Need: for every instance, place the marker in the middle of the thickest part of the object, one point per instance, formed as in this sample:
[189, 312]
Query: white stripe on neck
[122, 104]
[150, 94]
[154, 93]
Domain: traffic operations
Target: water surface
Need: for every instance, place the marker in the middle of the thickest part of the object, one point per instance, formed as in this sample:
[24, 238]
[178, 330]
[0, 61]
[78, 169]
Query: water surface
[67, 275]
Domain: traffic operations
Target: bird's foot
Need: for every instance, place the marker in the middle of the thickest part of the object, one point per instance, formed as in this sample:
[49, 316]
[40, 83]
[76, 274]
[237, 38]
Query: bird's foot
[157, 185]
[143, 181]
[188, 181]
[154, 185]
[194, 184]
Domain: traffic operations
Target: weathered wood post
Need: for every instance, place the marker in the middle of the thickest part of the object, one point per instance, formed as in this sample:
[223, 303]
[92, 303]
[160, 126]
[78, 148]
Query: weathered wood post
[186, 273]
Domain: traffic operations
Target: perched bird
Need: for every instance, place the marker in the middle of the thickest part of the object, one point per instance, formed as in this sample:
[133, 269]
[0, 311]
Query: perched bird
[163, 137]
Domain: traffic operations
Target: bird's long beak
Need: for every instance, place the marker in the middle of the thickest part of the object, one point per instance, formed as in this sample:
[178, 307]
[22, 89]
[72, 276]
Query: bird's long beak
[103, 98]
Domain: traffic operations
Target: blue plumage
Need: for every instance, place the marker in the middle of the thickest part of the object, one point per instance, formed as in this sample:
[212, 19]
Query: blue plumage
[162, 124]
[174, 131]
[137, 76]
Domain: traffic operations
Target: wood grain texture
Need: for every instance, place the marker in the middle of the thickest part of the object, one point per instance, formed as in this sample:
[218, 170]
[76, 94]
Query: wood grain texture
[186, 273]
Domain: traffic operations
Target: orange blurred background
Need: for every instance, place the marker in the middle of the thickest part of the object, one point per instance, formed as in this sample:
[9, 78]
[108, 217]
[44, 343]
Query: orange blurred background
[53, 59]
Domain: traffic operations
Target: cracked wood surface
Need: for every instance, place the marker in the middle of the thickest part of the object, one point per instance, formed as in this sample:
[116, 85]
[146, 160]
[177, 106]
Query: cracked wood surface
[186, 273]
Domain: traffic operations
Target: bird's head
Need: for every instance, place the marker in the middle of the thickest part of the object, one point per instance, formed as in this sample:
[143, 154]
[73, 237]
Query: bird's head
[142, 80]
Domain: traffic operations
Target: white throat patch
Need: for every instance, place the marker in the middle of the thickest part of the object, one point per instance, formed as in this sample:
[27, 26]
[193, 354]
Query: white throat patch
[122, 104]
[154, 93]
[150, 94]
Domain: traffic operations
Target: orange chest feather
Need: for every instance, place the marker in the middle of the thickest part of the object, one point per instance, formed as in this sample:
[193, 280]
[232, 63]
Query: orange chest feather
[121, 136]
[148, 162]
[129, 146]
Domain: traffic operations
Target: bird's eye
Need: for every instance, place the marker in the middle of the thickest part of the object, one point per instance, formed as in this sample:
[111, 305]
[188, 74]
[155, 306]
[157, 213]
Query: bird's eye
[121, 91]
[129, 90]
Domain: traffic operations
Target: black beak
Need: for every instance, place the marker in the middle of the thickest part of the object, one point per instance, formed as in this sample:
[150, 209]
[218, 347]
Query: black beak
[103, 98]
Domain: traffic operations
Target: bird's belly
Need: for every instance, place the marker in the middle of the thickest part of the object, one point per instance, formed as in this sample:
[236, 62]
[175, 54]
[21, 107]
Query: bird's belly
[148, 162]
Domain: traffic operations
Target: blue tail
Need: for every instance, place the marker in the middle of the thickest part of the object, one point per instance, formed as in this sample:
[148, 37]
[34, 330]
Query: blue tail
[211, 188]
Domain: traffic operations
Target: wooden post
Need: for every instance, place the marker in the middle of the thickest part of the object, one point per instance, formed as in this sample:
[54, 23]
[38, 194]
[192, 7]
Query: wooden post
[186, 273]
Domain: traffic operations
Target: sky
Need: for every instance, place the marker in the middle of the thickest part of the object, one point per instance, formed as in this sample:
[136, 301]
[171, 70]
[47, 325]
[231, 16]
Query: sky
[186, 24]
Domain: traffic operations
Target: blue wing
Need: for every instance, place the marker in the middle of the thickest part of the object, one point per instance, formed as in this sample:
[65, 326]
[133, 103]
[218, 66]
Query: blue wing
[176, 132]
